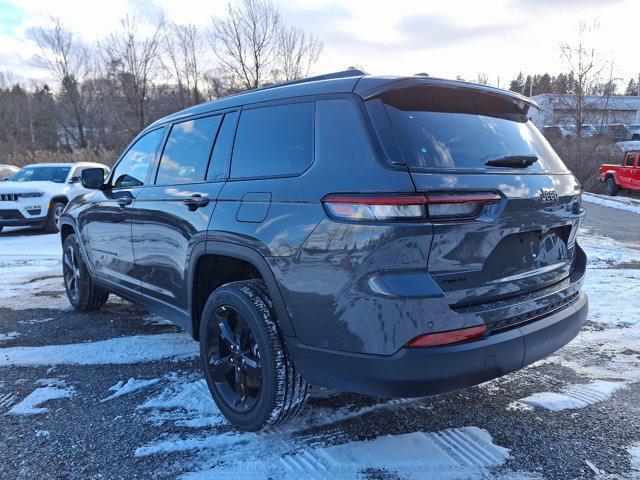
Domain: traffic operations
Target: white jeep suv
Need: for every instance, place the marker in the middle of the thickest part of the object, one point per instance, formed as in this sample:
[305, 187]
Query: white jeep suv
[37, 194]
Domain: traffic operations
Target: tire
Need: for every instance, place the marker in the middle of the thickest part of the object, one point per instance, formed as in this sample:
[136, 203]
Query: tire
[271, 389]
[82, 292]
[52, 225]
[611, 187]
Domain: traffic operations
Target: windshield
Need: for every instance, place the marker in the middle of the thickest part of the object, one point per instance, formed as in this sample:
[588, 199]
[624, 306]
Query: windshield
[39, 174]
[442, 140]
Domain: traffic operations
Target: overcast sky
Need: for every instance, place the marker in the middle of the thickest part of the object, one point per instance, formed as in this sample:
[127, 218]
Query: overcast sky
[443, 38]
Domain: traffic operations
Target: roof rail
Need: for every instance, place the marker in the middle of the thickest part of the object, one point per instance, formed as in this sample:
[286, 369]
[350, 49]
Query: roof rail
[327, 76]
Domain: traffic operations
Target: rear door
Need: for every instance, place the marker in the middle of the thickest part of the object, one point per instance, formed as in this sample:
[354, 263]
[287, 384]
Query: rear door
[170, 217]
[503, 206]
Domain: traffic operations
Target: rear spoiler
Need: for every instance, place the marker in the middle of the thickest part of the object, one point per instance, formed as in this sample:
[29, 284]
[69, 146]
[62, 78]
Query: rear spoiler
[368, 89]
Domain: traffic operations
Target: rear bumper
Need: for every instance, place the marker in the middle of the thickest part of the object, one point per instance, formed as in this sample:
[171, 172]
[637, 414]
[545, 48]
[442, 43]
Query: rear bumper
[426, 371]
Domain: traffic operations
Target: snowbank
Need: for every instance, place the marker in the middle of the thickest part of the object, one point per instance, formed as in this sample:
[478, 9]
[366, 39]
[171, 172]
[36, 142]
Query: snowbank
[621, 203]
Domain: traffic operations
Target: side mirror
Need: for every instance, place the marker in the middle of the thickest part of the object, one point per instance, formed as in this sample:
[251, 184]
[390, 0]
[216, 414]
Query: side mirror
[75, 179]
[92, 178]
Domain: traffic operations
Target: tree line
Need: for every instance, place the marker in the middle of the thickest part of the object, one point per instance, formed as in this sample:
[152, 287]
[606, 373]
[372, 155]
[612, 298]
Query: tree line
[567, 83]
[104, 93]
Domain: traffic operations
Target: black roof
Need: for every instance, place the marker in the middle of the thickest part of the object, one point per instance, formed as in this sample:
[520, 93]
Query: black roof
[348, 81]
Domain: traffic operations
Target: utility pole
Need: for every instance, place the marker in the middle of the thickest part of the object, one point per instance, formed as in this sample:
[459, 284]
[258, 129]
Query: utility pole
[638, 85]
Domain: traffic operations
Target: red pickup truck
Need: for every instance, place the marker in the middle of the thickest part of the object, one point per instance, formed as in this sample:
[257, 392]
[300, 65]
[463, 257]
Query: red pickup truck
[626, 175]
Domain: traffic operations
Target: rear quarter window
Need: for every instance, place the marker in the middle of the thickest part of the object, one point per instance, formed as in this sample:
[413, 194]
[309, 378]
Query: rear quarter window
[274, 141]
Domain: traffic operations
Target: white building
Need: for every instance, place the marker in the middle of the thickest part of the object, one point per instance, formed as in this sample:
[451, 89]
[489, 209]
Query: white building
[559, 109]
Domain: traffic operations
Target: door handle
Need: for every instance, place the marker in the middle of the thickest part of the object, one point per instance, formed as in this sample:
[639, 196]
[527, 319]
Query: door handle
[124, 201]
[196, 201]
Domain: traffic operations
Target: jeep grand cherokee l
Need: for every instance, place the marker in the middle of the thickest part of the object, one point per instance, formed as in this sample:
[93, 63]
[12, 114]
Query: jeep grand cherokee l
[36, 195]
[391, 236]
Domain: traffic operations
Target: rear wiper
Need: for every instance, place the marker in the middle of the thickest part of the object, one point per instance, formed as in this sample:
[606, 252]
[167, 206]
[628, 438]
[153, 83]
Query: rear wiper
[513, 161]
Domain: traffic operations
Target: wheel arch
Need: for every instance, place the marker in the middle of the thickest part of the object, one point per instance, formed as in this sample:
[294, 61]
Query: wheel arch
[59, 198]
[244, 254]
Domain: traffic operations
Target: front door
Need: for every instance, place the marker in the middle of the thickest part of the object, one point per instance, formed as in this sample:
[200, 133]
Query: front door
[170, 217]
[106, 221]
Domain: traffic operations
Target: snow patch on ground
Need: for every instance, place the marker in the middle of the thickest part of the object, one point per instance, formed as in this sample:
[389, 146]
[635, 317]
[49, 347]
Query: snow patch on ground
[187, 403]
[612, 296]
[35, 321]
[450, 454]
[621, 203]
[634, 451]
[30, 404]
[123, 350]
[132, 385]
[8, 336]
[574, 396]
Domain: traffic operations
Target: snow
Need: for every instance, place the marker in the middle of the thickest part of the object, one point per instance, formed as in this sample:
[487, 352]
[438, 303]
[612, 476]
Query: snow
[33, 263]
[449, 454]
[30, 404]
[574, 396]
[132, 385]
[35, 321]
[634, 452]
[187, 403]
[8, 336]
[622, 203]
[123, 350]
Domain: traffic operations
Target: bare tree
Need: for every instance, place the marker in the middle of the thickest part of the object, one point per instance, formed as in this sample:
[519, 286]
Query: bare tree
[246, 40]
[69, 62]
[298, 52]
[132, 60]
[184, 47]
[585, 64]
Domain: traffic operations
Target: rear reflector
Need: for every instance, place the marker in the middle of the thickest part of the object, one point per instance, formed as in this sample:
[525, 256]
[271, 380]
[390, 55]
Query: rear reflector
[448, 338]
[401, 207]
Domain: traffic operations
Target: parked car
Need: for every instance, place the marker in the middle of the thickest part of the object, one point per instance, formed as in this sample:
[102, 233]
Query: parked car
[626, 175]
[552, 131]
[634, 131]
[7, 171]
[394, 236]
[616, 132]
[37, 194]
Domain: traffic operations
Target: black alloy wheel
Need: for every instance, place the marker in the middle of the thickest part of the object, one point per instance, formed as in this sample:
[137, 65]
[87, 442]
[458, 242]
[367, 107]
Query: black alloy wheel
[234, 359]
[71, 271]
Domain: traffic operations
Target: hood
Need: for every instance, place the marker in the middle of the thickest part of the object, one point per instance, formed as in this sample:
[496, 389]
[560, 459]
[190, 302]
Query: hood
[47, 187]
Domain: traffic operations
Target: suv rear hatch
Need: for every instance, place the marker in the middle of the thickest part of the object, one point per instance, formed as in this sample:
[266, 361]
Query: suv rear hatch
[465, 142]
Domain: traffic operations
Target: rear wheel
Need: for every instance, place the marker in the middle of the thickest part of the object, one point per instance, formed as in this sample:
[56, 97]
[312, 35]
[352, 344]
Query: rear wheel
[82, 292]
[52, 225]
[611, 187]
[248, 370]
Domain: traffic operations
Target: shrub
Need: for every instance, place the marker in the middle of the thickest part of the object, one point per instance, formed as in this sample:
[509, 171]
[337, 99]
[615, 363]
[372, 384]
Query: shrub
[108, 157]
[585, 159]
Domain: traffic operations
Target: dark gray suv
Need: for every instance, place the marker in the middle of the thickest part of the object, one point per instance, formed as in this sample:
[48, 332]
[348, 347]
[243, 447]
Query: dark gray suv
[394, 236]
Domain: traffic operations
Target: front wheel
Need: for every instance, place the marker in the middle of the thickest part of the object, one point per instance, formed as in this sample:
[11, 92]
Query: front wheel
[611, 187]
[248, 370]
[52, 225]
[82, 292]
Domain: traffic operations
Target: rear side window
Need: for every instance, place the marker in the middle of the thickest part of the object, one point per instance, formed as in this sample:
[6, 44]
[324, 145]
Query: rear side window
[274, 141]
[458, 130]
[186, 153]
[132, 169]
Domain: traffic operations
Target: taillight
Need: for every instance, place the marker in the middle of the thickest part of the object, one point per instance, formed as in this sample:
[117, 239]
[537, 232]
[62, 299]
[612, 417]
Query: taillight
[402, 207]
[449, 337]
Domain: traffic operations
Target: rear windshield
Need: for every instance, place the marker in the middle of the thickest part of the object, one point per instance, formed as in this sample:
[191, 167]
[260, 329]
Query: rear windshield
[448, 137]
